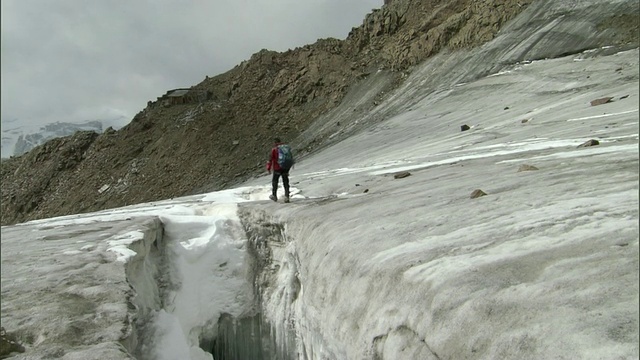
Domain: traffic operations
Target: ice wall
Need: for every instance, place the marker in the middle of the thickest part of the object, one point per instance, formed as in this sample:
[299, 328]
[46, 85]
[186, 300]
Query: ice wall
[144, 276]
[280, 289]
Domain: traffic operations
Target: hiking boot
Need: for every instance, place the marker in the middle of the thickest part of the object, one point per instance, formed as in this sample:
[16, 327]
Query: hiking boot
[273, 198]
[286, 199]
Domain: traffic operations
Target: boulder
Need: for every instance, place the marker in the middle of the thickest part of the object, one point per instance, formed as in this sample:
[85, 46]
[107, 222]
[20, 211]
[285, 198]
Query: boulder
[591, 142]
[477, 193]
[526, 167]
[601, 101]
[401, 175]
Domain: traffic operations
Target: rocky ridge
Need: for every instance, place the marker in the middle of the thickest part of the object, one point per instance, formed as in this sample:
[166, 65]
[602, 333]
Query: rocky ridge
[210, 142]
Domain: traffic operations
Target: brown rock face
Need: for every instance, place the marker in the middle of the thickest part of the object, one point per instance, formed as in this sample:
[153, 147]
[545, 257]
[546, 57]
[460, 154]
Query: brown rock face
[33, 177]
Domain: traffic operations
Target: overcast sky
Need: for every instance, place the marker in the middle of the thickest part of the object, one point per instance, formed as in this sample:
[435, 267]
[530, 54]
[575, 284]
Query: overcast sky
[72, 60]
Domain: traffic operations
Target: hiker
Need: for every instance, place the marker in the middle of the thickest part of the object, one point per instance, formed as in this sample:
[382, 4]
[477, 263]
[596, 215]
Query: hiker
[280, 161]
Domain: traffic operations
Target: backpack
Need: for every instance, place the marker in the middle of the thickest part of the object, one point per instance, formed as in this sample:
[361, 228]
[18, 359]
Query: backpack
[285, 157]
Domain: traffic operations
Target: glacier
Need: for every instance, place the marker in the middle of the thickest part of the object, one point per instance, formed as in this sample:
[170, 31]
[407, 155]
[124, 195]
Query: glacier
[363, 265]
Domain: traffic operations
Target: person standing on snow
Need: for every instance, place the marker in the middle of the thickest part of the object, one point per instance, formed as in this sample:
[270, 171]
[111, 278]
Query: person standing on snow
[280, 161]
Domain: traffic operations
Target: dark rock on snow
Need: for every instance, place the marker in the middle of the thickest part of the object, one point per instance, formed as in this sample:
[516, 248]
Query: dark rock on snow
[477, 193]
[401, 175]
[591, 142]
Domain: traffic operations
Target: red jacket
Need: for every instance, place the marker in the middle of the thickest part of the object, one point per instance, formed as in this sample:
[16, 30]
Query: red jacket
[273, 159]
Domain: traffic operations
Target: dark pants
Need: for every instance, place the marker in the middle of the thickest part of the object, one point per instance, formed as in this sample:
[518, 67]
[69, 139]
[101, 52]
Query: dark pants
[285, 182]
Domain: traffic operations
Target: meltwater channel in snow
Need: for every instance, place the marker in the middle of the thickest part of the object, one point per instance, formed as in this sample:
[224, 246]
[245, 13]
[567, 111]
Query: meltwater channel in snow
[361, 265]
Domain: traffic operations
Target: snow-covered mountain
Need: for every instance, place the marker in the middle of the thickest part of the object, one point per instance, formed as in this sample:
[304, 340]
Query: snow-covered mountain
[18, 139]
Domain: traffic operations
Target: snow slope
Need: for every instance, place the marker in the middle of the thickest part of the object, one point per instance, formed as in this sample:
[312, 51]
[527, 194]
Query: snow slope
[544, 266]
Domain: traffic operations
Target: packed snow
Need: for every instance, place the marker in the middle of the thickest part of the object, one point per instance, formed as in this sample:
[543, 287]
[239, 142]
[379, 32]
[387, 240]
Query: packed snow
[361, 265]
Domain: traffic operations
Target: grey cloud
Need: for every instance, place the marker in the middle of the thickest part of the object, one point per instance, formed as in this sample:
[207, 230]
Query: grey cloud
[67, 59]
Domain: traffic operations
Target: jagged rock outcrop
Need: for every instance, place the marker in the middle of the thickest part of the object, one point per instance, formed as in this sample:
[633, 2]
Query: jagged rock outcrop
[213, 141]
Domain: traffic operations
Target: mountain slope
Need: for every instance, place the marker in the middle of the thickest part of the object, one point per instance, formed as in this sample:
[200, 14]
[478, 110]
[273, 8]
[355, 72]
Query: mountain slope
[219, 132]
